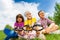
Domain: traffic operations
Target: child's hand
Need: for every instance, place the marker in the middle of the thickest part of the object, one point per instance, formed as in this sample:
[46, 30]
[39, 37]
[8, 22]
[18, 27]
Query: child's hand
[15, 27]
[27, 33]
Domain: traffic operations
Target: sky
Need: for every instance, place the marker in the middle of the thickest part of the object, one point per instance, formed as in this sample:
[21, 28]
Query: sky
[10, 8]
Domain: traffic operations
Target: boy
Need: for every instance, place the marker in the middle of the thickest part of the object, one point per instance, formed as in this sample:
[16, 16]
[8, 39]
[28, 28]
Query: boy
[45, 21]
[30, 20]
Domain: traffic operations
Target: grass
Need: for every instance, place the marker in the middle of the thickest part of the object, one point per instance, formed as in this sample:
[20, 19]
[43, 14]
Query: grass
[48, 36]
[53, 37]
[2, 35]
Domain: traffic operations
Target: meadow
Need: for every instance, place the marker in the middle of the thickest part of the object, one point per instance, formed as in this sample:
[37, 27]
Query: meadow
[48, 36]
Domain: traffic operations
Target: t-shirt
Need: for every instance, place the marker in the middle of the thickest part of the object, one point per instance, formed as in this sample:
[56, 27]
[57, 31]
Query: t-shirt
[32, 34]
[30, 22]
[19, 24]
[44, 22]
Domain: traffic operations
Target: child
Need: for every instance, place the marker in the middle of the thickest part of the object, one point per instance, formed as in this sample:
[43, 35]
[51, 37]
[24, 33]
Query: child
[30, 33]
[40, 35]
[49, 25]
[19, 21]
[19, 24]
[38, 28]
[30, 20]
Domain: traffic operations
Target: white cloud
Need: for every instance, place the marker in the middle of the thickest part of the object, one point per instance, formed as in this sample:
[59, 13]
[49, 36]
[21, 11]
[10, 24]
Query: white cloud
[9, 9]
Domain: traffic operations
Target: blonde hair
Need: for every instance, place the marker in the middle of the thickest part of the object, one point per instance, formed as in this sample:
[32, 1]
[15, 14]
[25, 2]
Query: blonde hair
[27, 12]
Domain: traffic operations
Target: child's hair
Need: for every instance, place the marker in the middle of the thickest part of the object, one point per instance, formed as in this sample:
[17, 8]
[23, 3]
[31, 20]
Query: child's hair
[26, 12]
[19, 16]
[39, 12]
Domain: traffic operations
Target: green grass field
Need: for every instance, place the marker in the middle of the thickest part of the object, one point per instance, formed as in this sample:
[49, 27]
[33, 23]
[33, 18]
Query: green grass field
[48, 36]
[2, 35]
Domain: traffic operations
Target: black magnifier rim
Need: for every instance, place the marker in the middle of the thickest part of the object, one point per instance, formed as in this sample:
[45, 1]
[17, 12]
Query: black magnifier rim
[37, 25]
[20, 29]
[29, 30]
[33, 29]
[30, 27]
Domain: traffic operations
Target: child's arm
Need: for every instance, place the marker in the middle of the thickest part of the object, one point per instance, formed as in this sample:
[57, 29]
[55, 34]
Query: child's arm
[15, 26]
[26, 33]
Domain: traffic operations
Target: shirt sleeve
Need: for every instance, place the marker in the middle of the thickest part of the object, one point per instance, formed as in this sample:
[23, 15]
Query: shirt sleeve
[38, 22]
[15, 25]
[49, 21]
[25, 22]
[34, 19]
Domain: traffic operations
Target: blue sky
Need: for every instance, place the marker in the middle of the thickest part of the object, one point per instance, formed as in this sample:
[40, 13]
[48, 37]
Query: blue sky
[45, 5]
[10, 8]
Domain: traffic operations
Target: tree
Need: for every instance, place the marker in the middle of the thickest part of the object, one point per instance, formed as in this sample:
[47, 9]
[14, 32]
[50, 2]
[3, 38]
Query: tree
[51, 18]
[57, 14]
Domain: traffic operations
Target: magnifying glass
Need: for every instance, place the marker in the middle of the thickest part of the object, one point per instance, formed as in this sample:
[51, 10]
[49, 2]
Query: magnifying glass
[27, 28]
[38, 27]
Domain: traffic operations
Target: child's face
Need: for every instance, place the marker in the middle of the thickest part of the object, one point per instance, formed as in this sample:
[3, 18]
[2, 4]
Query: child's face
[21, 32]
[28, 15]
[41, 14]
[37, 33]
[19, 20]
